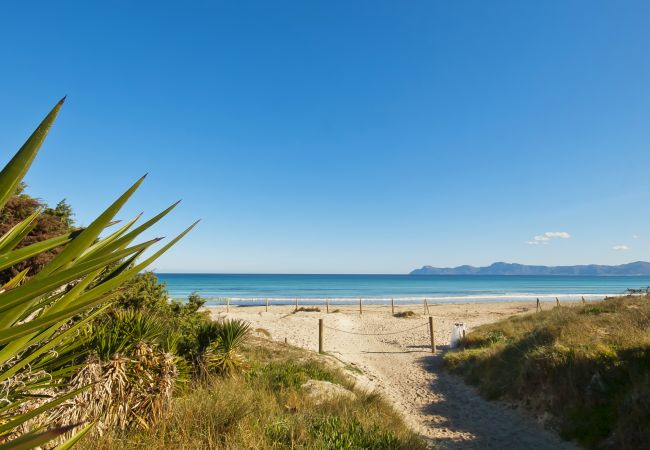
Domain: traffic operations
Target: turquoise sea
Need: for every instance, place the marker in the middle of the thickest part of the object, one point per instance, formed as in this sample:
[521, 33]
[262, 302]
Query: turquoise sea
[251, 289]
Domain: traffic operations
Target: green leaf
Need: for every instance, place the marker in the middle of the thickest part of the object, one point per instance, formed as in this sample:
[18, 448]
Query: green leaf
[15, 281]
[128, 238]
[94, 249]
[67, 445]
[16, 169]
[17, 331]
[111, 281]
[49, 346]
[37, 287]
[88, 236]
[33, 440]
[16, 256]
[18, 232]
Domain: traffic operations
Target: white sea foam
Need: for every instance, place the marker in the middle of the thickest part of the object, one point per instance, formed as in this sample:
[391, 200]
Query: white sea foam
[513, 297]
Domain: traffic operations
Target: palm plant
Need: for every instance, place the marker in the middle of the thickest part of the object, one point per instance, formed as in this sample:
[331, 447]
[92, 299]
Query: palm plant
[122, 330]
[41, 314]
[219, 344]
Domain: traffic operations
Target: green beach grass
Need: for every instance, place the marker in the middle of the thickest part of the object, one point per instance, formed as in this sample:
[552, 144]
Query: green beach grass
[588, 366]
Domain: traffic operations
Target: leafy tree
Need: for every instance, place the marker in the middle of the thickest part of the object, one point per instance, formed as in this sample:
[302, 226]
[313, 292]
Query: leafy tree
[50, 223]
[64, 212]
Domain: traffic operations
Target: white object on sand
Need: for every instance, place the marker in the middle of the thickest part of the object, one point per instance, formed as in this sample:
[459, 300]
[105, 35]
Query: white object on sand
[457, 333]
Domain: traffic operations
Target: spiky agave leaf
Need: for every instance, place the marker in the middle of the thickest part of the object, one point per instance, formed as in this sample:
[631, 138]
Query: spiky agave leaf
[35, 312]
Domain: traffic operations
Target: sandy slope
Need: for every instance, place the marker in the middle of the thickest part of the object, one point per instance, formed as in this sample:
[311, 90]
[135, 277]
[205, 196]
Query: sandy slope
[400, 366]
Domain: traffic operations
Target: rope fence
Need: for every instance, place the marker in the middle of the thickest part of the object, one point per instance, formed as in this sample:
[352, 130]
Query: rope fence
[313, 306]
[316, 304]
[322, 326]
[310, 305]
[377, 334]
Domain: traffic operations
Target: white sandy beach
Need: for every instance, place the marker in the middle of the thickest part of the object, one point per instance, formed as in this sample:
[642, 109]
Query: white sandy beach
[400, 366]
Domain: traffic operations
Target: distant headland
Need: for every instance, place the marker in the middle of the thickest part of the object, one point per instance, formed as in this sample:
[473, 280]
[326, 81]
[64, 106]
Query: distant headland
[638, 268]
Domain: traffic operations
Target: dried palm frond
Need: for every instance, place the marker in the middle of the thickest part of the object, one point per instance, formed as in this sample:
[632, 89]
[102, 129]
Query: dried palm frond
[128, 391]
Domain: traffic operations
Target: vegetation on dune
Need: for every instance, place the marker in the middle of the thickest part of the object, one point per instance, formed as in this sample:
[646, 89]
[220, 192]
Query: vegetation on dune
[234, 392]
[265, 409]
[55, 279]
[587, 365]
[141, 351]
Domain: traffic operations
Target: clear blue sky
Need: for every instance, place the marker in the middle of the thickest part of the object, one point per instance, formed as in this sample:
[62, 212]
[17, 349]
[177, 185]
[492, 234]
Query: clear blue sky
[345, 136]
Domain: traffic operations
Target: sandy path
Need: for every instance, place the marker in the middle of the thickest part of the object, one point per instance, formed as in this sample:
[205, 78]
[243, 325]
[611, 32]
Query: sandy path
[401, 367]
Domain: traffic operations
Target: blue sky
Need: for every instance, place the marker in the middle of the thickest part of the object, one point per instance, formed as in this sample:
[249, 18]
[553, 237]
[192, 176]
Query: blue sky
[345, 137]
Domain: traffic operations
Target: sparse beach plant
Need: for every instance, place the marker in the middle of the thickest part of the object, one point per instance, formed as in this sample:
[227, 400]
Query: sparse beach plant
[307, 309]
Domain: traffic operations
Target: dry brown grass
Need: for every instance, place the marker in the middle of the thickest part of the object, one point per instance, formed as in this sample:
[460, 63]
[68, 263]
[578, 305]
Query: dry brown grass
[307, 309]
[404, 314]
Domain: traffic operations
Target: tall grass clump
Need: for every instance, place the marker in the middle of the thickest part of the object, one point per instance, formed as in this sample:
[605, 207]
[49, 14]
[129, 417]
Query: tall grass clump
[587, 365]
[54, 286]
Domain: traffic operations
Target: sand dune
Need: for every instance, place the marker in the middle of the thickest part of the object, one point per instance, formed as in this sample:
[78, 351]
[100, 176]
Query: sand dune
[393, 356]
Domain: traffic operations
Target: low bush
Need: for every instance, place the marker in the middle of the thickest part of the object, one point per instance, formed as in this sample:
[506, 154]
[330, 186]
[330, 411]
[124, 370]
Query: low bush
[142, 350]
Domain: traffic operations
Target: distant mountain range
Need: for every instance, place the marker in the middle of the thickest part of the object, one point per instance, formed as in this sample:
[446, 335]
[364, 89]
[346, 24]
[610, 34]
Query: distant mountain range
[501, 268]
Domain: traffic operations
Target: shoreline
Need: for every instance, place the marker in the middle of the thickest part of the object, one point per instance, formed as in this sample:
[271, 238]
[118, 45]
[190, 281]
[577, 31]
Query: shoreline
[212, 302]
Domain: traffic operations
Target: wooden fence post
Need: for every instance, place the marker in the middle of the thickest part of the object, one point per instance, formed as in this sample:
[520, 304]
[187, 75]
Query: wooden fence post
[267, 305]
[433, 342]
[296, 305]
[320, 335]
[327, 305]
[538, 305]
[583, 300]
[426, 305]
[360, 307]
[392, 306]
[557, 301]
